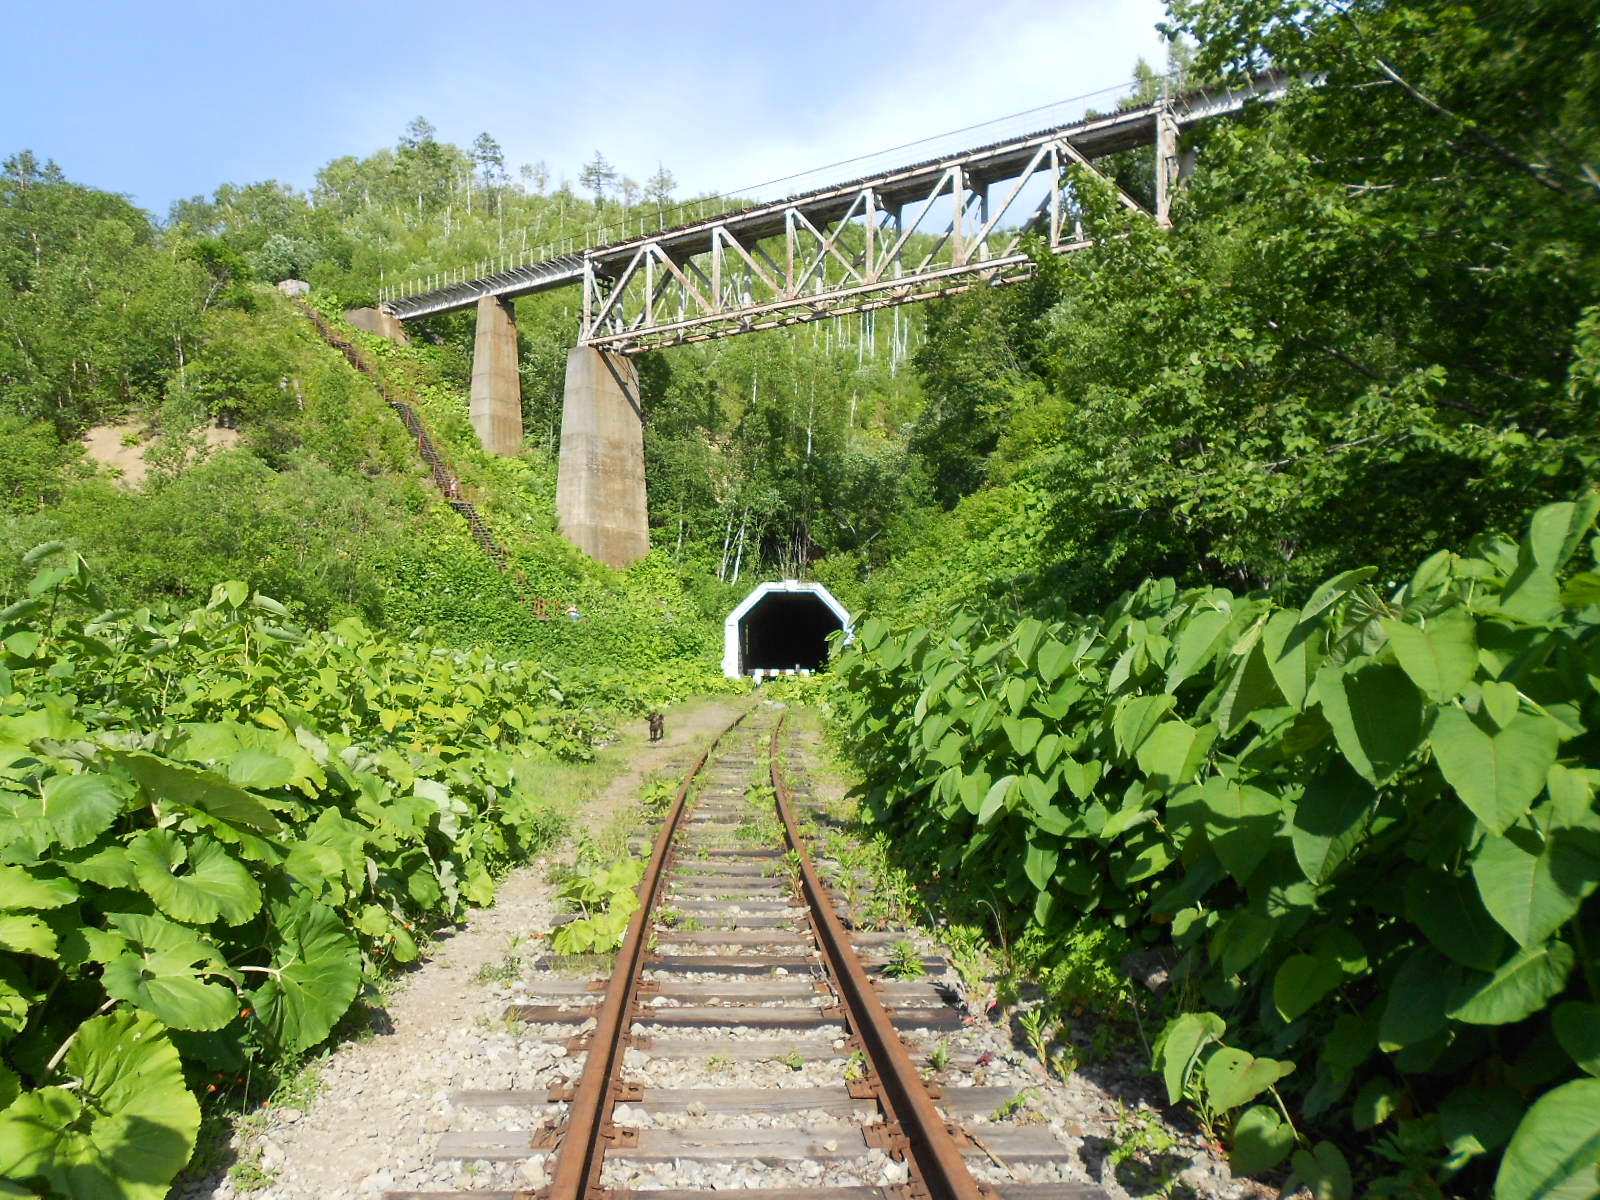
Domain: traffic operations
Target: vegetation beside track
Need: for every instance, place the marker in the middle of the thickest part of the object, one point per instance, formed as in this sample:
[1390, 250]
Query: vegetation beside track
[1363, 832]
[218, 833]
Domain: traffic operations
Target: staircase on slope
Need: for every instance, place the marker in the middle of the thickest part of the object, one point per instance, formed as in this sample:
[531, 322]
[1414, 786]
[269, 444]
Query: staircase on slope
[444, 479]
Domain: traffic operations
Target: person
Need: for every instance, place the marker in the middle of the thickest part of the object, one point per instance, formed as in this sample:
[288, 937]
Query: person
[658, 726]
[572, 612]
[452, 490]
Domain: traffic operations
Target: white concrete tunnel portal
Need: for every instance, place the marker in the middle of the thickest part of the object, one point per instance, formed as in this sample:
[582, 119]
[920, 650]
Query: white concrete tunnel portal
[781, 627]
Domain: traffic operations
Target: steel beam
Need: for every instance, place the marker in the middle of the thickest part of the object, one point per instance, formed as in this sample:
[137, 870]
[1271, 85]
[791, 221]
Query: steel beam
[798, 238]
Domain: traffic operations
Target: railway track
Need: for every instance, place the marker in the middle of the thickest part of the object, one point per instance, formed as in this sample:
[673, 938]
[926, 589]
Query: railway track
[737, 961]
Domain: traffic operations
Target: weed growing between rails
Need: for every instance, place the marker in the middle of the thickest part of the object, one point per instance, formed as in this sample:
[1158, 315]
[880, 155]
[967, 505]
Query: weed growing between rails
[217, 834]
[1356, 841]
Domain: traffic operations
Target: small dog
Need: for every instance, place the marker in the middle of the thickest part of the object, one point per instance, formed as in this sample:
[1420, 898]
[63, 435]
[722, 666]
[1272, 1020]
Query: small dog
[658, 726]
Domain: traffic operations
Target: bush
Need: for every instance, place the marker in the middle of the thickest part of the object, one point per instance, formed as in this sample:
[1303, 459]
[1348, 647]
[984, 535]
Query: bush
[218, 829]
[1366, 827]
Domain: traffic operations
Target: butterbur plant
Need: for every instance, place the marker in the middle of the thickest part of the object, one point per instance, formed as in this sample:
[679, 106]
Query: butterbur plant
[214, 828]
[604, 893]
[1363, 828]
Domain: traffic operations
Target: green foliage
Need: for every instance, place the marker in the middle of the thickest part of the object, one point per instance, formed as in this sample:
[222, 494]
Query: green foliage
[605, 894]
[1365, 825]
[94, 314]
[220, 828]
[1369, 331]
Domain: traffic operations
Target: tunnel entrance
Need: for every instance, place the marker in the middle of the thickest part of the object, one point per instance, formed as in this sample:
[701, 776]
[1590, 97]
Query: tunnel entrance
[781, 628]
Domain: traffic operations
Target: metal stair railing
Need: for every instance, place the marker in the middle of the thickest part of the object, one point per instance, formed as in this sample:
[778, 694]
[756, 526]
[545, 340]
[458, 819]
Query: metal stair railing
[444, 479]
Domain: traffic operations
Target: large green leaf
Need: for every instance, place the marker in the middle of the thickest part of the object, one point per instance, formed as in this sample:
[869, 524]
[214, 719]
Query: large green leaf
[17, 998]
[1476, 1120]
[1533, 884]
[1324, 1171]
[1251, 686]
[1448, 910]
[178, 783]
[1555, 1152]
[1375, 1103]
[1301, 981]
[1235, 1077]
[34, 889]
[1291, 655]
[1521, 987]
[1497, 775]
[1414, 1008]
[1349, 1043]
[995, 800]
[125, 1130]
[1053, 658]
[108, 866]
[1174, 751]
[24, 933]
[1179, 1048]
[1039, 862]
[1440, 656]
[254, 768]
[1328, 593]
[1195, 645]
[1376, 714]
[1241, 822]
[163, 968]
[316, 970]
[1330, 820]
[69, 811]
[1136, 719]
[1022, 732]
[1261, 1140]
[1577, 1027]
[193, 880]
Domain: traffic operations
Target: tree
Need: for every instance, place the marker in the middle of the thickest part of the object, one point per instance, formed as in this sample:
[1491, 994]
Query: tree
[489, 158]
[419, 133]
[537, 174]
[598, 176]
[658, 189]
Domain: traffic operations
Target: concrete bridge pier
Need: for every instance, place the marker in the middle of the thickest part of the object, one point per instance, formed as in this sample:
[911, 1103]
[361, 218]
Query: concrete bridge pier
[600, 498]
[496, 405]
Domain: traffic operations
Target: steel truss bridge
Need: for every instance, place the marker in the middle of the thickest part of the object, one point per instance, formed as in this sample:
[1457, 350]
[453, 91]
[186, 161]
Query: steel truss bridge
[912, 233]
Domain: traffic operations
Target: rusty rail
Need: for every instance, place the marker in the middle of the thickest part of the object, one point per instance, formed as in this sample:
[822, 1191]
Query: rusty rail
[935, 1155]
[916, 1127]
[581, 1154]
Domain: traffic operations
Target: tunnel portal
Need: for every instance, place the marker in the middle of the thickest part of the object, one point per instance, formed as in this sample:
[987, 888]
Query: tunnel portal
[781, 627]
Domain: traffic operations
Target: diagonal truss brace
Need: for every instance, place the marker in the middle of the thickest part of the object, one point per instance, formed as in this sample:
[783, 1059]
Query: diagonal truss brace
[948, 227]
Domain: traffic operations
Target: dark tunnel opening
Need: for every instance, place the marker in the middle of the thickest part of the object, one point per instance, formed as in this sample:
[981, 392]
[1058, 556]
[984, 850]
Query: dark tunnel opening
[784, 631]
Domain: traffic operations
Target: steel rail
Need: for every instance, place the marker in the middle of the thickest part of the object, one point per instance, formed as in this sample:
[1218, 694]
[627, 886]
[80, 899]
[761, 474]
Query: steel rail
[934, 1151]
[580, 1156]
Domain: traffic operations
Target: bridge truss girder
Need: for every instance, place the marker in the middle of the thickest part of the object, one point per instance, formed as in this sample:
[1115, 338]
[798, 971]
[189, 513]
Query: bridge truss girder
[928, 231]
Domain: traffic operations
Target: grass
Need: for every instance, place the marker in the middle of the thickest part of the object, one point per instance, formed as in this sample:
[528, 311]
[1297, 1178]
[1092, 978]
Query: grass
[504, 971]
[904, 961]
[1014, 1105]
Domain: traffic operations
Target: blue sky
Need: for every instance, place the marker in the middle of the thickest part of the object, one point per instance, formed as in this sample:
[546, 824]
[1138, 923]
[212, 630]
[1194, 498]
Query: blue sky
[165, 99]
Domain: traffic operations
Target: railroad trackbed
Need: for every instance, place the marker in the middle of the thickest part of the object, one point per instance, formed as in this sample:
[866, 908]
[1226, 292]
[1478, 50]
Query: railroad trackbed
[737, 962]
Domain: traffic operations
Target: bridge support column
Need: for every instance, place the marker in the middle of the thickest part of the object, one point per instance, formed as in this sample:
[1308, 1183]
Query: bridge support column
[391, 327]
[600, 500]
[496, 406]
[1168, 165]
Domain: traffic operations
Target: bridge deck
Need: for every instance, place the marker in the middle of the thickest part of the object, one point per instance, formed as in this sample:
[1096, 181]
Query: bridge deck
[1091, 137]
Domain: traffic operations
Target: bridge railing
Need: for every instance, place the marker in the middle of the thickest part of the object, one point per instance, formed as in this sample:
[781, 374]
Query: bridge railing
[564, 261]
[647, 219]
